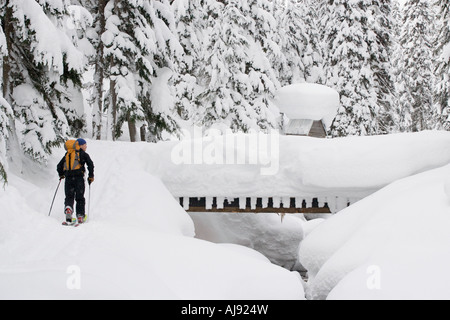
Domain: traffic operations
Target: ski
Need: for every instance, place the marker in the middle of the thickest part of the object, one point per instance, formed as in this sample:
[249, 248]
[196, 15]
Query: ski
[74, 223]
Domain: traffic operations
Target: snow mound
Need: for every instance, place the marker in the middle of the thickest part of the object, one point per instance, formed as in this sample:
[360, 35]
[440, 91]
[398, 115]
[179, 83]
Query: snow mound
[267, 233]
[308, 101]
[138, 243]
[447, 186]
[391, 245]
[301, 166]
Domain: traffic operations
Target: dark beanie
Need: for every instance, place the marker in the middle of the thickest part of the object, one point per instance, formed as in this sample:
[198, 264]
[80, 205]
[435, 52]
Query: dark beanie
[81, 142]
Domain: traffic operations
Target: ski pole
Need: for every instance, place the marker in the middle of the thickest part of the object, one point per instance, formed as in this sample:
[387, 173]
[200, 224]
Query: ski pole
[54, 197]
[89, 204]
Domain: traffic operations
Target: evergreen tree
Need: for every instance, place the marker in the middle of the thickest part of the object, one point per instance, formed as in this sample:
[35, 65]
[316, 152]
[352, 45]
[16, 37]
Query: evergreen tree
[416, 103]
[442, 58]
[41, 74]
[224, 66]
[97, 61]
[382, 51]
[138, 41]
[5, 116]
[238, 78]
[161, 112]
[262, 80]
[349, 38]
[192, 25]
[292, 39]
[397, 74]
[301, 35]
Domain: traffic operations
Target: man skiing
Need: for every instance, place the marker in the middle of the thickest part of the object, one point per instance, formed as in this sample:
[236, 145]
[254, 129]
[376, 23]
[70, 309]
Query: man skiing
[72, 168]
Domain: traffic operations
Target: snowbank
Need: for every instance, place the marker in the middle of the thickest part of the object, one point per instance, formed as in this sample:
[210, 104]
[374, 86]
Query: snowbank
[266, 233]
[391, 245]
[138, 243]
[295, 166]
[308, 101]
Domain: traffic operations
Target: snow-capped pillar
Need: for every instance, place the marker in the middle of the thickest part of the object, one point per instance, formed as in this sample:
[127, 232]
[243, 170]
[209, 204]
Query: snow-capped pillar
[265, 202]
[220, 202]
[186, 203]
[331, 200]
[242, 203]
[308, 201]
[298, 202]
[209, 203]
[253, 201]
[286, 201]
[276, 202]
[321, 201]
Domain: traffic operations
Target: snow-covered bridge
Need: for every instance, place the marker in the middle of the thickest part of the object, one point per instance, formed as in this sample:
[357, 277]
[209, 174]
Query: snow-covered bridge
[292, 171]
[259, 172]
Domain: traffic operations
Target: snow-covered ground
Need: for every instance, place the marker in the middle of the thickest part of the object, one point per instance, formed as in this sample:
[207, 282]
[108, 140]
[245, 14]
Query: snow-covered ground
[139, 243]
[394, 244]
[275, 238]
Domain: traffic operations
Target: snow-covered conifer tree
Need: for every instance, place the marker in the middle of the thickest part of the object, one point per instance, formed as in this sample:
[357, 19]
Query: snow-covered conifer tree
[238, 75]
[381, 60]
[299, 37]
[192, 25]
[442, 60]
[348, 36]
[5, 116]
[97, 62]
[41, 73]
[122, 19]
[264, 51]
[291, 36]
[138, 41]
[223, 68]
[161, 112]
[417, 112]
[397, 73]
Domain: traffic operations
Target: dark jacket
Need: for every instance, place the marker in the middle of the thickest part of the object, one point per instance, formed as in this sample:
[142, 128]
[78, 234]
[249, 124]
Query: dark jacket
[84, 159]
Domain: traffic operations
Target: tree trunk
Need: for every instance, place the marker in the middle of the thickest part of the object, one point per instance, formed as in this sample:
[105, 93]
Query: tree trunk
[99, 75]
[143, 132]
[113, 107]
[131, 128]
[8, 30]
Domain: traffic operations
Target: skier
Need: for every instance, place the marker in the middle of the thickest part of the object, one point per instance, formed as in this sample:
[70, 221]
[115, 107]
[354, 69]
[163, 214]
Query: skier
[72, 168]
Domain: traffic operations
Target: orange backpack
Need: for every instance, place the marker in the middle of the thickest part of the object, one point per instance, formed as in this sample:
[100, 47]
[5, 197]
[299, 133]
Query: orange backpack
[72, 156]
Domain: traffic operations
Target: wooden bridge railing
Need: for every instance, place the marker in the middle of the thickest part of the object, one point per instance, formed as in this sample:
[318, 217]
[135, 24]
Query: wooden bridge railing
[265, 204]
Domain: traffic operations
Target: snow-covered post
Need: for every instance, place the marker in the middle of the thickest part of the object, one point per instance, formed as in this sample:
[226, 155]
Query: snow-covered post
[307, 105]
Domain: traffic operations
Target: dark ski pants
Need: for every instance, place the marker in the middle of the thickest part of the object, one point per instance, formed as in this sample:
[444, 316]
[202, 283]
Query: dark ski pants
[74, 189]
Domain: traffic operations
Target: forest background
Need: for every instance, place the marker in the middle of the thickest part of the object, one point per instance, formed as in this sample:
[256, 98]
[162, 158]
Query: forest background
[88, 68]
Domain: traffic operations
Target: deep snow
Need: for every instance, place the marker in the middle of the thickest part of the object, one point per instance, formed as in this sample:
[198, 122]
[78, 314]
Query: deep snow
[139, 243]
[392, 245]
[308, 101]
[349, 168]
